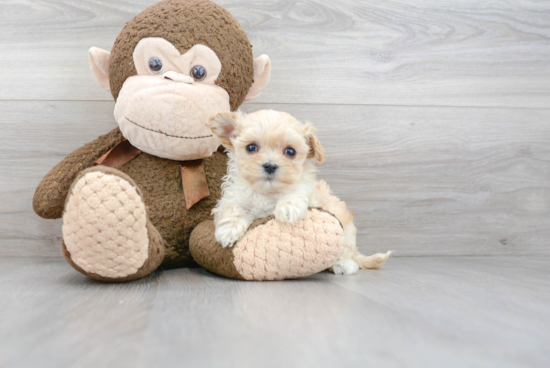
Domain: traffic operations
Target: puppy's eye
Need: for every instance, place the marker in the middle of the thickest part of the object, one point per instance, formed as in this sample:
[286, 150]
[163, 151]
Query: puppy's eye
[155, 64]
[251, 148]
[198, 72]
[290, 152]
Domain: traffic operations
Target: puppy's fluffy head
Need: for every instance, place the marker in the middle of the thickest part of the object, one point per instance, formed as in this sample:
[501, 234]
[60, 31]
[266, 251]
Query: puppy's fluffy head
[271, 150]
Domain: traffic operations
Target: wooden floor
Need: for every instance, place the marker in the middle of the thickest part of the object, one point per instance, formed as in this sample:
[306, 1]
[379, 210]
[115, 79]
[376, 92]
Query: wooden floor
[435, 116]
[416, 312]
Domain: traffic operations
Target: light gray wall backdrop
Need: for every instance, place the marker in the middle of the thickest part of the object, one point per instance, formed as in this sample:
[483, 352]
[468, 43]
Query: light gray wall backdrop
[435, 114]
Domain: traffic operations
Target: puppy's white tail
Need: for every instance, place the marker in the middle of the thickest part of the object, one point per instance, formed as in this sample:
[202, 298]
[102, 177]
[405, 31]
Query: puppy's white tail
[373, 262]
[339, 209]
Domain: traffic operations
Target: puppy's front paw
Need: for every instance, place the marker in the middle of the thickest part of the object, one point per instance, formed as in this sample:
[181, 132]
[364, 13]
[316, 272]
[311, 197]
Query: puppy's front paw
[230, 232]
[345, 267]
[290, 213]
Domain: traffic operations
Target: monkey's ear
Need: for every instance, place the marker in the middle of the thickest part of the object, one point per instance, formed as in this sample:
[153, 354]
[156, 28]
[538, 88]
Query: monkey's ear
[262, 72]
[99, 62]
[315, 149]
[223, 124]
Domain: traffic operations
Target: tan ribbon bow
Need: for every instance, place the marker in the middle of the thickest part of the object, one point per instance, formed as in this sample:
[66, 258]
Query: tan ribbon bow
[193, 177]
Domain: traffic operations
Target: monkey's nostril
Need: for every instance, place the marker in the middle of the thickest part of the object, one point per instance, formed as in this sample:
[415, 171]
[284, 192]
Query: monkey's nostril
[270, 168]
[178, 77]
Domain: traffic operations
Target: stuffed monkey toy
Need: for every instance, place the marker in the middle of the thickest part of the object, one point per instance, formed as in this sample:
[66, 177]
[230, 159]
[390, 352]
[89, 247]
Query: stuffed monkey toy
[140, 196]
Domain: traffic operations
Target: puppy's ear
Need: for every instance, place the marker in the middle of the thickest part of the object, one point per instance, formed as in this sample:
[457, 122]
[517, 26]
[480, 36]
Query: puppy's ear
[224, 124]
[315, 149]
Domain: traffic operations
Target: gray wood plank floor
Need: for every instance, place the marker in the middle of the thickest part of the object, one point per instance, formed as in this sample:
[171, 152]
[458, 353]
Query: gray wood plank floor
[416, 312]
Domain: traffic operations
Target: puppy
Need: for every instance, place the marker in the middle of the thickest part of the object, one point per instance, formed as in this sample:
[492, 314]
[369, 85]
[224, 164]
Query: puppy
[271, 171]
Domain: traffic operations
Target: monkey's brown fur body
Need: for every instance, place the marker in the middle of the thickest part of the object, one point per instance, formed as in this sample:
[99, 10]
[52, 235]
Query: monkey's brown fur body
[158, 181]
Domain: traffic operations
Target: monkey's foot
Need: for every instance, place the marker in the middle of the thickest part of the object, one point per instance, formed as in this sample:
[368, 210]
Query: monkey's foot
[106, 232]
[272, 250]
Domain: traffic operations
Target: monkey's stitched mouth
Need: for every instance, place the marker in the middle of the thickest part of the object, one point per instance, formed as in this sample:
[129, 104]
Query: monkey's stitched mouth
[166, 134]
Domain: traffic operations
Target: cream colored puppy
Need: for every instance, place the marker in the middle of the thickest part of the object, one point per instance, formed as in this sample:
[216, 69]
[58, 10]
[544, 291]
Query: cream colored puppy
[271, 171]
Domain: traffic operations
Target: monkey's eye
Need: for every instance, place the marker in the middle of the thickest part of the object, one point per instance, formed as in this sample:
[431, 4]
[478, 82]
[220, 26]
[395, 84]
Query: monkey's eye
[155, 64]
[251, 148]
[198, 72]
[290, 152]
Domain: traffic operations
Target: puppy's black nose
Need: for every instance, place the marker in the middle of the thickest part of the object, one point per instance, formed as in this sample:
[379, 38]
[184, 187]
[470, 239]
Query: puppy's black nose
[270, 168]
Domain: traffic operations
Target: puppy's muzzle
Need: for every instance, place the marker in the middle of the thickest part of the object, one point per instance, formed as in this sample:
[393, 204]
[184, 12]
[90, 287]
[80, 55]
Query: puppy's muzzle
[270, 168]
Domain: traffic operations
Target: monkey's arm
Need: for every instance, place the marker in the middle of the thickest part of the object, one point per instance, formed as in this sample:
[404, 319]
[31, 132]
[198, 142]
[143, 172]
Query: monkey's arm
[49, 197]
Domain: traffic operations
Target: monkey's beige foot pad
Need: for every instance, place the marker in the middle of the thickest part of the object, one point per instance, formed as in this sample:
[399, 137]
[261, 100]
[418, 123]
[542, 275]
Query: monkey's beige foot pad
[271, 250]
[105, 227]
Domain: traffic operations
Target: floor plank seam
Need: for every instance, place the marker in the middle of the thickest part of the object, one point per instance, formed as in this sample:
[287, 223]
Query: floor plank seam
[324, 104]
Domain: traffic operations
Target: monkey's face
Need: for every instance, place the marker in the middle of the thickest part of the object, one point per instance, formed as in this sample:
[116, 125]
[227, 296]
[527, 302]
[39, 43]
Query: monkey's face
[163, 110]
[172, 67]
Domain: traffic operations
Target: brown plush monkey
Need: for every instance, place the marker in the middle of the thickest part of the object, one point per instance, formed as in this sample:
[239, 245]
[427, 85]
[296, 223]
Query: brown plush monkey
[131, 198]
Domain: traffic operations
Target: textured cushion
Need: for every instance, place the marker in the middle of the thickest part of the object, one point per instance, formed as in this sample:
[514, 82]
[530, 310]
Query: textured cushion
[271, 250]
